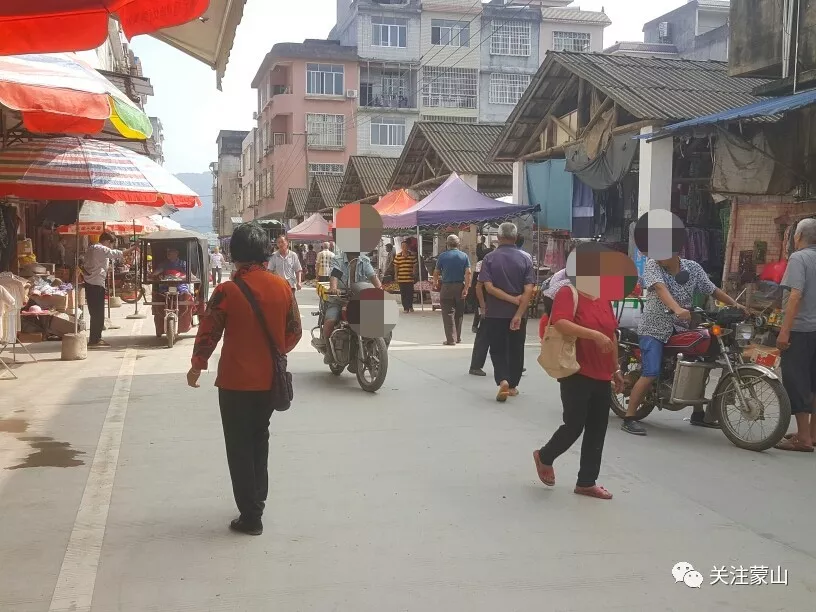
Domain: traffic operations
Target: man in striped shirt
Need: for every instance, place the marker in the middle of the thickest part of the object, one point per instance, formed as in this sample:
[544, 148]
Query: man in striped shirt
[404, 265]
[325, 259]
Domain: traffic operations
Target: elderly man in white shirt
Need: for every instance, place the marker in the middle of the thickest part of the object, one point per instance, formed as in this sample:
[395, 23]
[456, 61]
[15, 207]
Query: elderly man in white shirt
[95, 273]
[217, 265]
[286, 264]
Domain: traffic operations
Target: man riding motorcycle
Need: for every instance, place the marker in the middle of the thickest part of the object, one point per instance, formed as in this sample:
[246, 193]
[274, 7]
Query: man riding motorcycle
[347, 266]
[670, 284]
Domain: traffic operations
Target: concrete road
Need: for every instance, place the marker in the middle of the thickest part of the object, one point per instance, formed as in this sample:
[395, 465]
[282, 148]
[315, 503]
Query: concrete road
[114, 495]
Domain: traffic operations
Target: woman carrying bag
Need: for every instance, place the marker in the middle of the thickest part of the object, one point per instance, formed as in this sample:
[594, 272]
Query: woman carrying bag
[588, 368]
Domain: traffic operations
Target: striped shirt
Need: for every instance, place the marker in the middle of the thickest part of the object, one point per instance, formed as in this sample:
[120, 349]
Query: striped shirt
[404, 267]
[325, 263]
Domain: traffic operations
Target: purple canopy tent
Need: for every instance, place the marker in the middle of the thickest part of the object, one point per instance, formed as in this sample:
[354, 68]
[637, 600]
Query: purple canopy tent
[453, 203]
[313, 228]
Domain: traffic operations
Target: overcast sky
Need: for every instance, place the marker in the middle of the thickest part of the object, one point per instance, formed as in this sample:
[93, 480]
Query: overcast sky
[193, 111]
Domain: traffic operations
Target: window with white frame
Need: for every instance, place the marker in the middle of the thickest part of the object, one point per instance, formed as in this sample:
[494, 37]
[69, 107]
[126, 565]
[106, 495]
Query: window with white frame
[449, 87]
[389, 32]
[258, 190]
[324, 79]
[510, 38]
[579, 42]
[507, 88]
[388, 132]
[326, 130]
[449, 33]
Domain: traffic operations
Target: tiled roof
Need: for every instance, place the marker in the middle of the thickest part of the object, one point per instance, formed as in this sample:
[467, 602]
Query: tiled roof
[296, 202]
[660, 88]
[323, 192]
[570, 15]
[366, 176]
[646, 87]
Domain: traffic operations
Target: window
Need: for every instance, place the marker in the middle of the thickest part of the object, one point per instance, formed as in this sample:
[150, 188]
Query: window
[449, 87]
[258, 188]
[579, 42]
[318, 169]
[387, 132]
[324, 79]
[510, 38]
[507, 88]
[271, 179]
[278, 139]
[326, 130]
[389, 32]
[450, 33]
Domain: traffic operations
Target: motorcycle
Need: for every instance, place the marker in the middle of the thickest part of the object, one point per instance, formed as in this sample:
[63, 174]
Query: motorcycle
[744, 395]
[367, 358]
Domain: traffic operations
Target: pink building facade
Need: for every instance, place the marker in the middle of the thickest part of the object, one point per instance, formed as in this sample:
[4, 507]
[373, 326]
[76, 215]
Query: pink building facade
[307, 97]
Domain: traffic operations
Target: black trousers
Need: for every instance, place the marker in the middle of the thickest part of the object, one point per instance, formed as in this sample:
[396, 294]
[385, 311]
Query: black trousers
[586, 409]
[453, 310]
[245, 418]
[216, 274]
[799, 371]
[506, 349]
[95, 296]
[407, 295]
[481, 346]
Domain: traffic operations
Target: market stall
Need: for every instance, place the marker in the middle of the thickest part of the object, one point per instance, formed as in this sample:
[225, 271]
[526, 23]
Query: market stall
[454, 205]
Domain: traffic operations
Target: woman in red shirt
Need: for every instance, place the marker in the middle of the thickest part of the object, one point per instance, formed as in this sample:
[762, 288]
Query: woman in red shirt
[586, 394]
[246, 369]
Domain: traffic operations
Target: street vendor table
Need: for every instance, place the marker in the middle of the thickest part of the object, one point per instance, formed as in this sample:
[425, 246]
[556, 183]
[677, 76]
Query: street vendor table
[42, 320]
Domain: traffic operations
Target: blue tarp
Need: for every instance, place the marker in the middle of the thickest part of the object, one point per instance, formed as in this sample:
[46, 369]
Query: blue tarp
[550, 186]
[764, 108]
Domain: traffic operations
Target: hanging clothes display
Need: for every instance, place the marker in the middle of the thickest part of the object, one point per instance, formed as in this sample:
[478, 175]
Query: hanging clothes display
[555, 257]
[583, 210]
[8, 237]
[12, 320]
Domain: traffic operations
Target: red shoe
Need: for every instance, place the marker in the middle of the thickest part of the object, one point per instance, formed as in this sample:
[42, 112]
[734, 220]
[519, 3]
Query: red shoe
[545, 472]
[597, 491]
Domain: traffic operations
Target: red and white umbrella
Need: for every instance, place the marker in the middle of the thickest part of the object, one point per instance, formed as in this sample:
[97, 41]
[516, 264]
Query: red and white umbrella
[71, 168]
[37, 26]
[94, 228]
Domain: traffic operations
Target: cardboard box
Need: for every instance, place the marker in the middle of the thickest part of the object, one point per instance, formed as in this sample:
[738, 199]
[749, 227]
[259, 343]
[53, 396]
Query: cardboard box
[28, 338]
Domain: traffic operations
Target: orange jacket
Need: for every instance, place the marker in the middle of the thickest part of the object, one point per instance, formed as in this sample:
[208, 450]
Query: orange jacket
[246, 362]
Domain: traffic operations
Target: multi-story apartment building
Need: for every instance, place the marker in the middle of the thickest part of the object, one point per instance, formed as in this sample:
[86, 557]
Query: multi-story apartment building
[697, 30]
[510, 55]
[387, 36]
[227, 181]
[452, 60]
[307, 101]
[249, 205]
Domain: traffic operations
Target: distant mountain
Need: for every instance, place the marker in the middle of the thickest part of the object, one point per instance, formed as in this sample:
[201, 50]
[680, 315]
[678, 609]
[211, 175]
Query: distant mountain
[197, 219]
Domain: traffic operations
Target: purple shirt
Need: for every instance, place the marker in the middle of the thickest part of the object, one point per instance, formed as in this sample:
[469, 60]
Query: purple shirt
[509, 270]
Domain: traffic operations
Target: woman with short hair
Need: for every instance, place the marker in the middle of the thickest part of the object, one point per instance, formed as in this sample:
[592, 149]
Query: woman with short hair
[246, 370]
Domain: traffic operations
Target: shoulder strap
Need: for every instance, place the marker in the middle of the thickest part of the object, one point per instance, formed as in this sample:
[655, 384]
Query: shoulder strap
[257, 309]
[574, 306]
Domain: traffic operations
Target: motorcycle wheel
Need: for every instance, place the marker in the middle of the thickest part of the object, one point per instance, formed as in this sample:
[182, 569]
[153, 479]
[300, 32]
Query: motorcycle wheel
[376, 367]
[619, 403]
[337, 370]
[731, 417]
[171, 331]
[131, 293]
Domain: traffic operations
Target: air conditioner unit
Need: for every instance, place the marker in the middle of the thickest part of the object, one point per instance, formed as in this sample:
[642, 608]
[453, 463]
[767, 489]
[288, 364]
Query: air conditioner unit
[351, 94]
[255, 116]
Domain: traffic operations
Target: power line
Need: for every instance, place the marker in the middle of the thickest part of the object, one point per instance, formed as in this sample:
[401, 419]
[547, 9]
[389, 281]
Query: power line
[445, 70]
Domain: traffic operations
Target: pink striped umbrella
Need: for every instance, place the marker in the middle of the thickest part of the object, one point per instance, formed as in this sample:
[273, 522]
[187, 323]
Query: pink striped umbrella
[71, 168]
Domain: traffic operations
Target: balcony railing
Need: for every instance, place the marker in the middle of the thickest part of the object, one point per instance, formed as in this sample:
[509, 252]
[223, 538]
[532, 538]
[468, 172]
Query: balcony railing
[448, 101]
[386, 101]
[281, 89]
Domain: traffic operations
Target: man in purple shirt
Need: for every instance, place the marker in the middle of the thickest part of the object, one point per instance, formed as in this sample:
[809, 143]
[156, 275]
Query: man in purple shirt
[507, 274]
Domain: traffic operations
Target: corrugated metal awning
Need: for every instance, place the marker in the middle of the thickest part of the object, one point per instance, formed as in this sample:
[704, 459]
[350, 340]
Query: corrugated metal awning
[237, 220]
[763, 109]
